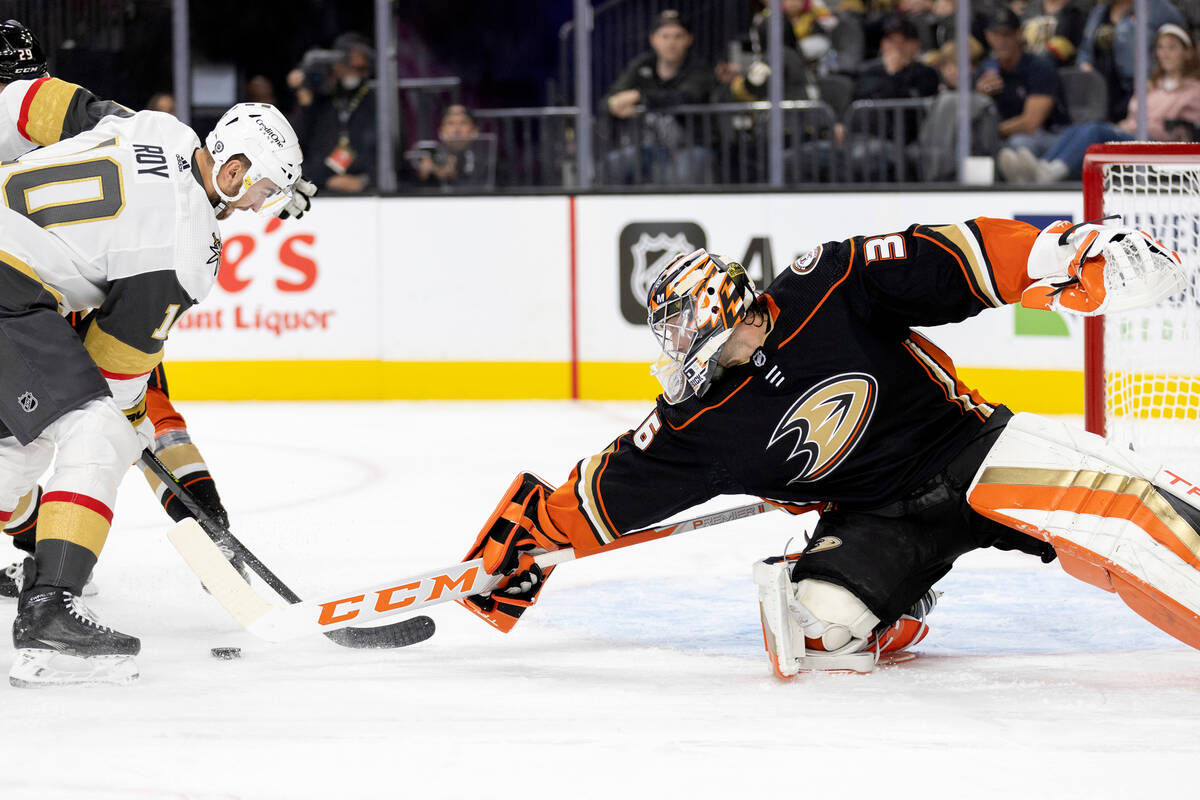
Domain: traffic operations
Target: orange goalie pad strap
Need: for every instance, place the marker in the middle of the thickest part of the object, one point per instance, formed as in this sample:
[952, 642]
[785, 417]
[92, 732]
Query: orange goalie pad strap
[1082, 564]
[1151, 605]
[1133, 499]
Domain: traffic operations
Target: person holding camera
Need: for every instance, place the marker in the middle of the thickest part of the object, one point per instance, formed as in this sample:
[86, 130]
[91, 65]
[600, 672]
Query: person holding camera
[461, 156]
[335, 114]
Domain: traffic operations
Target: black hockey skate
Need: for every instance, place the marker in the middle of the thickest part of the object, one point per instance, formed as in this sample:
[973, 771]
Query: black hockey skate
[59, 642]
[11, 578]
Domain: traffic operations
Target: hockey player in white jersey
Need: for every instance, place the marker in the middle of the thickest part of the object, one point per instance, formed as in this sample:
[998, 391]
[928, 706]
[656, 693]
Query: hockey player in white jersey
[121, 219]
[38, 110]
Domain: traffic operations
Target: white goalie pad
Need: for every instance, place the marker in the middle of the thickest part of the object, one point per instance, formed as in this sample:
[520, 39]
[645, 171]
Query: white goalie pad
[1104, 511]
[786, 621]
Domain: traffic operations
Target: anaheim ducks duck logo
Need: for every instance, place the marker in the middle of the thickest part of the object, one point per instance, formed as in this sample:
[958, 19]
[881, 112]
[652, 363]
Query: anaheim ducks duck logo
[828, 421]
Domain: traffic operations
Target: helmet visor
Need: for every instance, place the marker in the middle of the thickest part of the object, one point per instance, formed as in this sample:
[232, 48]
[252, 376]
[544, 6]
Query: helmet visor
[261, 194]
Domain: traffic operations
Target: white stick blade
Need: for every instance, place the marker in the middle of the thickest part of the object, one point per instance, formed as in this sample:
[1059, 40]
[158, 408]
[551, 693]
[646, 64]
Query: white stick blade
[219, 576]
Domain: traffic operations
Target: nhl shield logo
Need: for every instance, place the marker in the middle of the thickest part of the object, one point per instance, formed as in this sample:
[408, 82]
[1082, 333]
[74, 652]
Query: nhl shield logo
[645, 248]
[27, 402]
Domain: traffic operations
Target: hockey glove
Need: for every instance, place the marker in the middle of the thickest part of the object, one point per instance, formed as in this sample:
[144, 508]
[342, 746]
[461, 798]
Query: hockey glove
[517, 530]
[1091, 269]
[302, 195]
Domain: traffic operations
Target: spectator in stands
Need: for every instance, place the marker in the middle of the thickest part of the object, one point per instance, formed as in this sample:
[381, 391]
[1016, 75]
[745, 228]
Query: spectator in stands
[161, 101]
[945, 61]
[461, 156]
[809, 30]
[664, 148]
[1108, 45]
[745, 79]
[259, 89]
[922, 14]
[1025, 87]
[896, 75]
[335, 114]
[1172, 113]
[1054, 28]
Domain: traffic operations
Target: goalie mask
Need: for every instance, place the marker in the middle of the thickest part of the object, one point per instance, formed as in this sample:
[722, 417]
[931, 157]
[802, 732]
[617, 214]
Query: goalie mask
[693, 306]
[263, 135]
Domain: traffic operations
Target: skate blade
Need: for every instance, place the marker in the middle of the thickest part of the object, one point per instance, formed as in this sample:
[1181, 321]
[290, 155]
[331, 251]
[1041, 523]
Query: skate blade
[34, 668]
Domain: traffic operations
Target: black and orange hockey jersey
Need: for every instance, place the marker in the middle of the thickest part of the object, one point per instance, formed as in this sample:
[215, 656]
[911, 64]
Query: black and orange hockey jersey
[843, 403]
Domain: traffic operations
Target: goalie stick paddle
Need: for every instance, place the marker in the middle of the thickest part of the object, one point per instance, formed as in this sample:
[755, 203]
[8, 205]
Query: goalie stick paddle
[398, 634]
[332, 613]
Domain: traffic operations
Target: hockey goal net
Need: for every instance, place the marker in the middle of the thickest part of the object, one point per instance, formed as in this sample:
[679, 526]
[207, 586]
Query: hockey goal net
[1142, 367]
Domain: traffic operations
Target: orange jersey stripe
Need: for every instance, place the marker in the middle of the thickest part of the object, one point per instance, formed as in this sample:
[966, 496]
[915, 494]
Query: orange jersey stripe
[1007, 244]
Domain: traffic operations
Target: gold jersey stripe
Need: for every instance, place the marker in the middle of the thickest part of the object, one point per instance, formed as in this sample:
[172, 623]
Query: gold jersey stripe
[9, 260]
[48, 111]
[72, 523]
[969, 248]
[114, 356]
[589, 503]
[949, 382]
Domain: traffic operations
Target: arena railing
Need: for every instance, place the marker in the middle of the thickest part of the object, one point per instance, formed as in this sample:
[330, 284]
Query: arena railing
[710, 144]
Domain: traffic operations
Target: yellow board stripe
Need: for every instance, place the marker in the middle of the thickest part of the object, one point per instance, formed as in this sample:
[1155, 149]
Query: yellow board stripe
[1042, 391]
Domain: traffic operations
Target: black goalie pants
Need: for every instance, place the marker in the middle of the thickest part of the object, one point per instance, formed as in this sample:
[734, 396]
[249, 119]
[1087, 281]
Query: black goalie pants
[891, 555]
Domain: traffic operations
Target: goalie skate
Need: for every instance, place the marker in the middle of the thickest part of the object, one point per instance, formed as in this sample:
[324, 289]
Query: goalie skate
[784, 618]
[59, 642]
[784, 639]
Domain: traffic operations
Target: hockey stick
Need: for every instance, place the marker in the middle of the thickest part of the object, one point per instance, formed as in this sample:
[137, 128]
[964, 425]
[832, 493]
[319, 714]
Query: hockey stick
[398, 634]
[331, 613]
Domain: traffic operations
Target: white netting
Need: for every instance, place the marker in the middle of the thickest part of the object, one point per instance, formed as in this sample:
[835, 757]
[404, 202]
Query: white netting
[1152, 355]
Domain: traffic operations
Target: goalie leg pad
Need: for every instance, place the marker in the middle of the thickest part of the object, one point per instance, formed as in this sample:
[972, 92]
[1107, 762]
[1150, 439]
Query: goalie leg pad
[1101, 510]
[518, 529]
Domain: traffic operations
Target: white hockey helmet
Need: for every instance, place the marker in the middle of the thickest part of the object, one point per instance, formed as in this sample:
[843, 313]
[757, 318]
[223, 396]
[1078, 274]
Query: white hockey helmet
[262, 134]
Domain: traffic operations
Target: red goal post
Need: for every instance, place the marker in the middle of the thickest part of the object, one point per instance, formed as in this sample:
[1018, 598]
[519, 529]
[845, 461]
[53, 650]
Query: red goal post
[1142, 368]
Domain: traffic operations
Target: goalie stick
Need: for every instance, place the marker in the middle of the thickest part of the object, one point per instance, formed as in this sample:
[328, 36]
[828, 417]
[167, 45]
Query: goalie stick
[398, 634]
[332, 613]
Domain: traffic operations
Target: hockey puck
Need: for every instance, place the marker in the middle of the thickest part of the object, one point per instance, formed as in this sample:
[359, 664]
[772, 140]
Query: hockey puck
[226, 653]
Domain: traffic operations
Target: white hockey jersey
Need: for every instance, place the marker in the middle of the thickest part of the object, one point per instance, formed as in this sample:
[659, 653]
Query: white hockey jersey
[114, 219]
[43, 111]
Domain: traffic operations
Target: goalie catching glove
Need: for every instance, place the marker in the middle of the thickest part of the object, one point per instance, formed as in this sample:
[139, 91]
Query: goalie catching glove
[517, 531]
[1092, 268]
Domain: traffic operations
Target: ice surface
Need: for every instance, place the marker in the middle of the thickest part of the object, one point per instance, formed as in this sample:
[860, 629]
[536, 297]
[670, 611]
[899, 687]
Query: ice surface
[639, 674]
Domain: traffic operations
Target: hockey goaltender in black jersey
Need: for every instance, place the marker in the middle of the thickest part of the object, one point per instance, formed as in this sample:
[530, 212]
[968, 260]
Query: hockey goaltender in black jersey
[817, 393]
